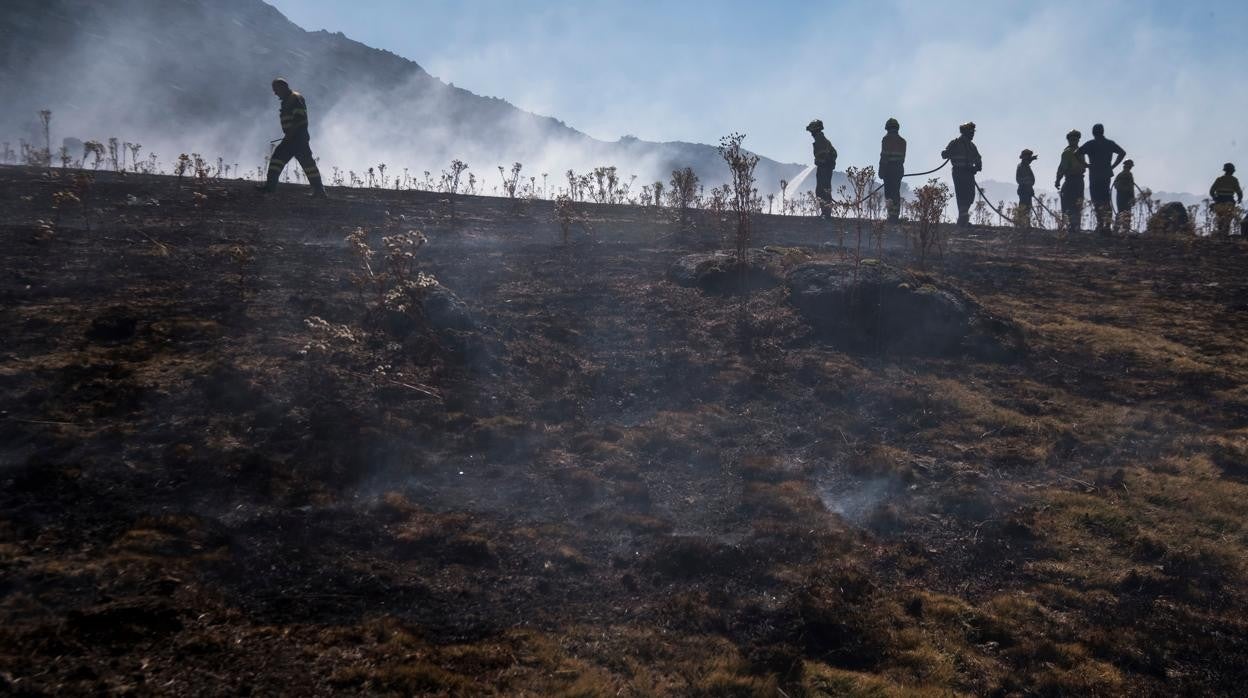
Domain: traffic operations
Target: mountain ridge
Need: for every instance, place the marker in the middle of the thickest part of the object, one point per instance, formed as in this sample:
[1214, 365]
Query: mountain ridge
[192, 75]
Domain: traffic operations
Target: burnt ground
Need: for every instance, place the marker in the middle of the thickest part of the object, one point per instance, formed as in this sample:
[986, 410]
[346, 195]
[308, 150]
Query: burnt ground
[599, 483]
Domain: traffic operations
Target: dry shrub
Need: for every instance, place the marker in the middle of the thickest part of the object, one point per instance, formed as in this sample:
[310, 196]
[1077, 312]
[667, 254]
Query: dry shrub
[683, 190]
[742, 195]
[927, 211]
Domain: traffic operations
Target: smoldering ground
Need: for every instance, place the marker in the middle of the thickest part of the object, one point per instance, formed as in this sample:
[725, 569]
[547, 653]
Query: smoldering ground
[607, 452]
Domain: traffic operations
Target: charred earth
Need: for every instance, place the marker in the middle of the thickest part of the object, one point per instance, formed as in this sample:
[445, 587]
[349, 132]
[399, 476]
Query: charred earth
[232, 460]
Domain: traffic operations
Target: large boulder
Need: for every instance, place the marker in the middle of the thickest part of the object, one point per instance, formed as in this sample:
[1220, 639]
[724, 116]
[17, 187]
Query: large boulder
[1170, 220]
[878, 308]
[721, 272]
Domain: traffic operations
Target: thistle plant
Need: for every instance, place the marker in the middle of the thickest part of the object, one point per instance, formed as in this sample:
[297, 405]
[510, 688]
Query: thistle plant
[682, 193]
[114, 153]
[94, 149]
[458, 167]
[45, 120]
[326, 337]
[181, 166]
[510, 182]
[981, 214]
[565, 214]
[717, 204]
[395, 283]
[742, 195]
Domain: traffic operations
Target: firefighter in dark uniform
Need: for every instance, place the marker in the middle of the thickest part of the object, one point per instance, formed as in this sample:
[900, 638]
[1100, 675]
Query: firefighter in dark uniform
[825, 163]
[1071, 168]
[295, 140]
[1226, 193]
[964, 157]
[1026, 180]
[1124, 195]
[1099, 151]
[892, 167]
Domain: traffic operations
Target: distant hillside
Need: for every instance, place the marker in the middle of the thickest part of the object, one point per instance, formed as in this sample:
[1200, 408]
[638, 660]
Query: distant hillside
[193, 75]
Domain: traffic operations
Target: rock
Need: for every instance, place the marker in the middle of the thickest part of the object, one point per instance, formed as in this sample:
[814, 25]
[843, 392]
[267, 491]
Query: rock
[880, 308]
[719, 272]
[1171, 219]
[446, 311]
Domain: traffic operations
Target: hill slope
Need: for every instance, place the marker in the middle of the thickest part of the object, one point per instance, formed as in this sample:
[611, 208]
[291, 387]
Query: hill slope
[223, 469]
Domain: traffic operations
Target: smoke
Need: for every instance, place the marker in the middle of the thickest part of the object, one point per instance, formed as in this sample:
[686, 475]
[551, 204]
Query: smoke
[192, 76]
[1155, 73]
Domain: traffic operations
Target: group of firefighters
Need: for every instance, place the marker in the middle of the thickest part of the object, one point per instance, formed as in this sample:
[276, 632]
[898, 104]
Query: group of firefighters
[1098, 157]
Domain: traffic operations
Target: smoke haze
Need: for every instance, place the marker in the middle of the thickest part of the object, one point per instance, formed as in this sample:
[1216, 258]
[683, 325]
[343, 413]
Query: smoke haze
[1158, 74]
[182, 76]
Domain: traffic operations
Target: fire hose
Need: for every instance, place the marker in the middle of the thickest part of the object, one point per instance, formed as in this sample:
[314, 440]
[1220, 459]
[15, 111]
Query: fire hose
[984, 196]
[1038, 201]
[881, 186]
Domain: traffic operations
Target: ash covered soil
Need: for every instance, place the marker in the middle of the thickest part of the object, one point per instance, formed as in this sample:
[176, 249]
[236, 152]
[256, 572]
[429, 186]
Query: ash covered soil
[584, 479]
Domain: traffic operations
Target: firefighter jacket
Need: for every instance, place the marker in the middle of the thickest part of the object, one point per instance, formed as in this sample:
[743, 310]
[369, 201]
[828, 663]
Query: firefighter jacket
[1071, 164]
[825, 154]
[892, 152]
[294, 116]
[1023, 176]
[1124, 183]
[1226, 186]
[963, 155]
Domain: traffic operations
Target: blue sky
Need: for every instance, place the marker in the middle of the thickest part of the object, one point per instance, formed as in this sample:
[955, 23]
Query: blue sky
[1165, 78]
